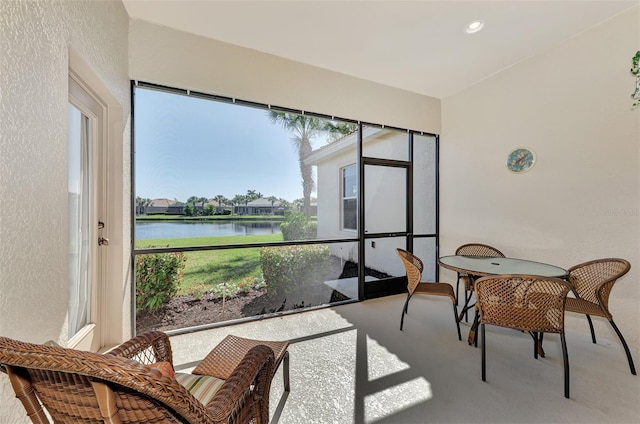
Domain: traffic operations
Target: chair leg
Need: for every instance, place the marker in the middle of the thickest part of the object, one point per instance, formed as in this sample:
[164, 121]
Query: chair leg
[467, 300]
[565, 360]
[535, 344]
[593, 333]
[285, 372]
[455, 316]
[476, 320]
[405, 308]
[484, 353]
[458, 289]
[626, 348]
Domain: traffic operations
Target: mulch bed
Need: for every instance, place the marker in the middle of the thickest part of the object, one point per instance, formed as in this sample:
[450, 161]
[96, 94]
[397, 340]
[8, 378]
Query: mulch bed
[187, 311]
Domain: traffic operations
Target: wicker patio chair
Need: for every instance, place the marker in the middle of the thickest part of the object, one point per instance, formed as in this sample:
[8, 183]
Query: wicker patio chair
[119, 387]
[591, 285]
[414, 267]
[526, 303]
[472, 249]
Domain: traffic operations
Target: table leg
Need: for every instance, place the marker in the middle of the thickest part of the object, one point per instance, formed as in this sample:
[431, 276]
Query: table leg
[537, 344]
[467, 299]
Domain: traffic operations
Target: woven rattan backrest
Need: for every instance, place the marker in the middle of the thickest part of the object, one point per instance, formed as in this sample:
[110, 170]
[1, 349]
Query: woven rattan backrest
[414, 266]
[62, 381]
[478, 249]
[523, 302]
[594, 280]
[159, 348]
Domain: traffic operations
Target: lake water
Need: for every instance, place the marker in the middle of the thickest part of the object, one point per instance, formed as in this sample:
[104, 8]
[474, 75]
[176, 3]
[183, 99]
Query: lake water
[169, 230]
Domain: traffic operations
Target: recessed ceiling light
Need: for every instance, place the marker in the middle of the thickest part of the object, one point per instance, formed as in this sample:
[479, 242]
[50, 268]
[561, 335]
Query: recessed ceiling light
[474, 27]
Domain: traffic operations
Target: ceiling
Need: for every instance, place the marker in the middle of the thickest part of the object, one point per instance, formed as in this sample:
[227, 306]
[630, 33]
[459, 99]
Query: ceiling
[420, 46]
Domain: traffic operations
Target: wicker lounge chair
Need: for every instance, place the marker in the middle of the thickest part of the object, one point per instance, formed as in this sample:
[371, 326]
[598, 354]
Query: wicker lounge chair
[472, 249]
[414, 267]
[527, 303]
[592, 283]
[119, 387]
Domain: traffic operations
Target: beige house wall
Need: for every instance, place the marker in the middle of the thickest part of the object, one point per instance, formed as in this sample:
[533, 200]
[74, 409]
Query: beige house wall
[581, 200]
[168, 57]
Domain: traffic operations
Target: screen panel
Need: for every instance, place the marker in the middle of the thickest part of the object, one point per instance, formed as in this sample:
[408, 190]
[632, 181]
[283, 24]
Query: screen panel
[424, 184]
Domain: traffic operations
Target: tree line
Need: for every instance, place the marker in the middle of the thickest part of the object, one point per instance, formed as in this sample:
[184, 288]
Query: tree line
[197, 205]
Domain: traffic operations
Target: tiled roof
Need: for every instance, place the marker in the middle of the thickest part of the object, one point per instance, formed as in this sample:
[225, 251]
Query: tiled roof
[162, 202]
[263, 202]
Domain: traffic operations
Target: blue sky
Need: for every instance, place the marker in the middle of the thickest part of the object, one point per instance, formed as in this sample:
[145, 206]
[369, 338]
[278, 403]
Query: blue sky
[186, 146]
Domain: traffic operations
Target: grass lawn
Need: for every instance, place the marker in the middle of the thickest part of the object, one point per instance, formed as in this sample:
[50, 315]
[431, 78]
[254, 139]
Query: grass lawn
[210, 270]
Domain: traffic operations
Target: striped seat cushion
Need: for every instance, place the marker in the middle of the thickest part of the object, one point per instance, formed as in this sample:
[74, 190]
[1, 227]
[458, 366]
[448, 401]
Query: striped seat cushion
[202, 387]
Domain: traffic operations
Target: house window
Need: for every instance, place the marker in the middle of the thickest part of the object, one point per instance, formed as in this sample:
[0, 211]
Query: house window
[350, 198]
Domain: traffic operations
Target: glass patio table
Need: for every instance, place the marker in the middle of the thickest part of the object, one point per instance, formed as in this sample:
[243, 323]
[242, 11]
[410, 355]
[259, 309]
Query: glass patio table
[482, 266]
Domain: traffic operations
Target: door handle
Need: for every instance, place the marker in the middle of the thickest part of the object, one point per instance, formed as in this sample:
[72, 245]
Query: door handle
[103, 241]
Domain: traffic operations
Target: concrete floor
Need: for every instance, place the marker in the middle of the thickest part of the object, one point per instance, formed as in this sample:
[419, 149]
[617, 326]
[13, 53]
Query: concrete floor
[352, 364]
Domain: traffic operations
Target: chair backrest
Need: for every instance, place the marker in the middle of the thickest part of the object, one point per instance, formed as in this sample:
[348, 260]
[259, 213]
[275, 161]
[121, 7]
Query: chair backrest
[478, 249]
[414, 267]
[77, 386]
[523, 302]
[593, 280]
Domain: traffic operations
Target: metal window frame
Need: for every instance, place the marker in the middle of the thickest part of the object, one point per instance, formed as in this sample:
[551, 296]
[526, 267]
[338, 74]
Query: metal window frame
[361, 162]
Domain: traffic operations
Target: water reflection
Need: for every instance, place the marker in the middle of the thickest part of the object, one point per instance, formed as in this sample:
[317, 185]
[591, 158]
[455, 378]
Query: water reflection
[169, 230]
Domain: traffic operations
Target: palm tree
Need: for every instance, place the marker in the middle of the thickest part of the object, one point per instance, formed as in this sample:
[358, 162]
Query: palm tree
[298, 203]
[253, 195]
[304, 128]
[141, 203]
[285, 204]
[197, 203]
[238, 199]
[272, 199]
[220, 199]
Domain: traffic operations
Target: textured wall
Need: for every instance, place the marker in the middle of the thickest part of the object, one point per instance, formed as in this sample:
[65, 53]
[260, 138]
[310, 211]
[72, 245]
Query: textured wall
[174, 58]
[581, 200]
[34, 40]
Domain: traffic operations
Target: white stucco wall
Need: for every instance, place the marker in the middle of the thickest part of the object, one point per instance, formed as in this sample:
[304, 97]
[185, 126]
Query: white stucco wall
[164, 56]
[581, 200]
[34, 66]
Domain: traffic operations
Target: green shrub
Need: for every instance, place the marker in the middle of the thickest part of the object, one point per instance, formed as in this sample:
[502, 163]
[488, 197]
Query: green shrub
[291, 267]
[297, 226]
[157, 279]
